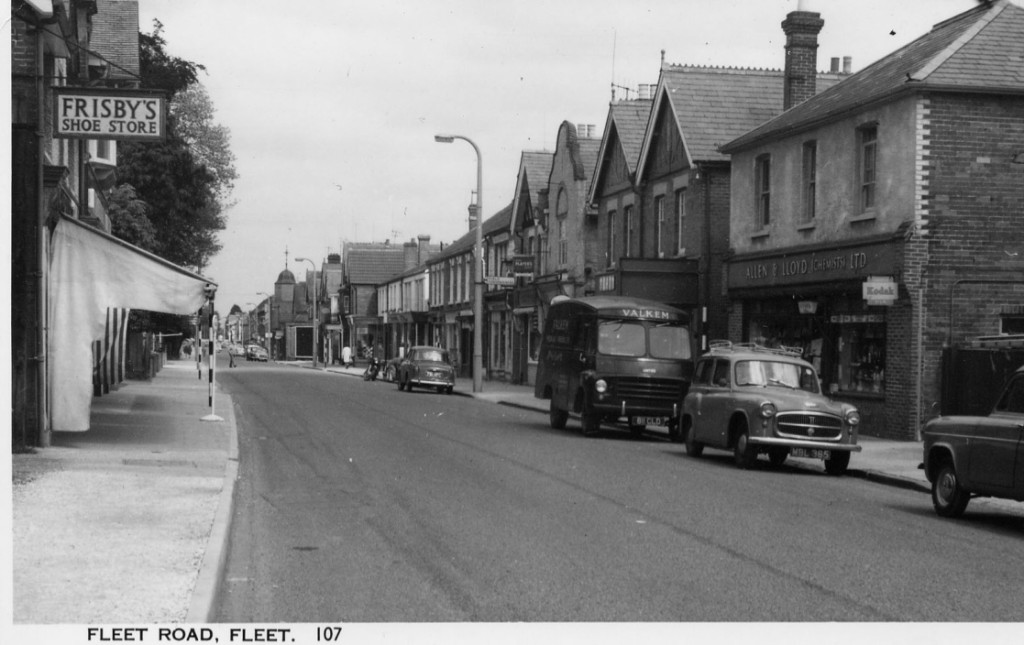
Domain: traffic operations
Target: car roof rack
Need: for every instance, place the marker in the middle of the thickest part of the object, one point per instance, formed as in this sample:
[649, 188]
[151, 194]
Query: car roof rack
[725, 346]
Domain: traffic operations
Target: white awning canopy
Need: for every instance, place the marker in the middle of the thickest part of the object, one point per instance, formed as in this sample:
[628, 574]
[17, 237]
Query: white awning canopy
[89, 272]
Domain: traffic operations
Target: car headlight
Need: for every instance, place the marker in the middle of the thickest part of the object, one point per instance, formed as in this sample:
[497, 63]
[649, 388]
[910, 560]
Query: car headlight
[601, 386]
[853, 417]
[768, 409]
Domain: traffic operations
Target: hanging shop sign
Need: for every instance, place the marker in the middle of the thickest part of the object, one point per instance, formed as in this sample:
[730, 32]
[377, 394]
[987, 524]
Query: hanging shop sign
[880, 290]
[500, 281]
[119, 115]
[522, 266]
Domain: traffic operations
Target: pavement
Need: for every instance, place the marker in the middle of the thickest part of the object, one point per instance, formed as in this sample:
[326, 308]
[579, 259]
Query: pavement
[128, 523]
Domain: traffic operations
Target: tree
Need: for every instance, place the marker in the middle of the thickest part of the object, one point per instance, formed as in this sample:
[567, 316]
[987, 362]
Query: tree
[185, 180]
[209, 142]
[128, 219]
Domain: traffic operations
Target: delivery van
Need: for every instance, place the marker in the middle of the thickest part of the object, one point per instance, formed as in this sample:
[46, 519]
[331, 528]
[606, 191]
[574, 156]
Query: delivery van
[608, 358]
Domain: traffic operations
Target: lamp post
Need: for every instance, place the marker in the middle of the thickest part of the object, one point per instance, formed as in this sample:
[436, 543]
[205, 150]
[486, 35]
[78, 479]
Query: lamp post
[478, 277]
[316, 308]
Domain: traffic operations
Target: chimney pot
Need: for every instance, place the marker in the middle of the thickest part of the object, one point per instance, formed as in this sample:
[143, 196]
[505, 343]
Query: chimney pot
[835, 65]
[847, 64]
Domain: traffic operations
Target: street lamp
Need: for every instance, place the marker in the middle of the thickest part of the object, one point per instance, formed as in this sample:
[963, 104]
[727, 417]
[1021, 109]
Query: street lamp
[316, 307]
[478, 278]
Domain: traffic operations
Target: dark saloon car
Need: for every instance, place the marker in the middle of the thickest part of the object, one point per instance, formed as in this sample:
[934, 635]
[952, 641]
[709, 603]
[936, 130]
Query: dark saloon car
[751, 399]
[425, 366]
[967, 456]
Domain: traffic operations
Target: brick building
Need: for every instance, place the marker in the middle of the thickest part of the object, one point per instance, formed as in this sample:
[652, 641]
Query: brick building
[882, 219]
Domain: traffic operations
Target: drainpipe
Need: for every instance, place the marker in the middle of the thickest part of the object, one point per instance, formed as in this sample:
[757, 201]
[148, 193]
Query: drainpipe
[42, 384]
[707, 256]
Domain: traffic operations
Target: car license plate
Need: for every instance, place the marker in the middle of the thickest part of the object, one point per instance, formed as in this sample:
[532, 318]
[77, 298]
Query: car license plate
[810, 453]
[649, 421]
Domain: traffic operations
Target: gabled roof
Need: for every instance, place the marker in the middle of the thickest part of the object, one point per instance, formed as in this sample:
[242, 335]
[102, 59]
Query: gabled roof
[534, 168]
[980, 49]
[713, 105]
[626, 123]
[373, 264]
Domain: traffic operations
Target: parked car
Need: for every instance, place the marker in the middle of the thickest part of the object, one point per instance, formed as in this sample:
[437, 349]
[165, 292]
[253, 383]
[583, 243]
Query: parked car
[980, 456]
[256, 353]
[236, 350]
[425, 366]
[752, 400]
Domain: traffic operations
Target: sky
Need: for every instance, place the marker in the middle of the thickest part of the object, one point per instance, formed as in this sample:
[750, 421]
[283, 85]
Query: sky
[333, 105]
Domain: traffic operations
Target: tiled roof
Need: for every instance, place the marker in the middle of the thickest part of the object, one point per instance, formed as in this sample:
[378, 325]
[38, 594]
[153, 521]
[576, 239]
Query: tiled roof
[534, 168]
[115, 37]
[980, 48]
[498, 221]
[537, 164]
[588, 156]
[374, 264]
[630, 119]
[714, 105]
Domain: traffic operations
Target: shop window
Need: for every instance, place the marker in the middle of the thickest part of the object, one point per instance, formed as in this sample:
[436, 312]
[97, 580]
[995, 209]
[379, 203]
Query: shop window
[861, 354]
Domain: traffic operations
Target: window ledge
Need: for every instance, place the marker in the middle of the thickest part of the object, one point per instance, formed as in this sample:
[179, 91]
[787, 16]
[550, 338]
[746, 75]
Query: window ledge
[806, 226]
[760, 233]
[863, 217]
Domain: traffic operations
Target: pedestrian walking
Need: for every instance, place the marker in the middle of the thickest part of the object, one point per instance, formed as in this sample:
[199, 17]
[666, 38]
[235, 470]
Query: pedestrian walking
[346, 356]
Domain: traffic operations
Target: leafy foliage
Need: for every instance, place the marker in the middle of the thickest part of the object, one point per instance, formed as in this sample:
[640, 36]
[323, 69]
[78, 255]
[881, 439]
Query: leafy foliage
[185, 179]
[171, 195]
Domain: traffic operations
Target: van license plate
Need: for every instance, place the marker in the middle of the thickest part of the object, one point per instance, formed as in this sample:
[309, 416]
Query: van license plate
[649, 421]
[810, 453]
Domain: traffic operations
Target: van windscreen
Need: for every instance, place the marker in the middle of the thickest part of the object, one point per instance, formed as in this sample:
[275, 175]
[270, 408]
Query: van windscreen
[670, 341]
[634, 338]
[621, 338]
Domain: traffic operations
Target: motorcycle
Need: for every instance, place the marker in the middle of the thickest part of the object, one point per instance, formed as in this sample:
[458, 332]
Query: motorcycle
[372, 369]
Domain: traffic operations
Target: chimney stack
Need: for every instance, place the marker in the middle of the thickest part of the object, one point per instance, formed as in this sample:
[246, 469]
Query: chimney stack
[409, 254]
[424, 250]
[801, 74]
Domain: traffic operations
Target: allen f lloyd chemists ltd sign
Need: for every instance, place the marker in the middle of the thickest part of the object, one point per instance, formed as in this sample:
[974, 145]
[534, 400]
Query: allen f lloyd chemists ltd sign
[83, 113]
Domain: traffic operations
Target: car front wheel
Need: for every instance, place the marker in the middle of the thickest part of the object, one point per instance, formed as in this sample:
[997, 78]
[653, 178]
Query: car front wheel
[694, 448]
[837, 463]
[948, 497]
[744, 453]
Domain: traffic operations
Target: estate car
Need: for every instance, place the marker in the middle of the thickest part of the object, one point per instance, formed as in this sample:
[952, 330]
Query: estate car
[425, 366]
[967, 456]
[751, 400]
